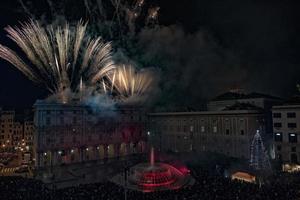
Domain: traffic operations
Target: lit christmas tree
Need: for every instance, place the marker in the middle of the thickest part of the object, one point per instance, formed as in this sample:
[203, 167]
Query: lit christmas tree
[259, 159]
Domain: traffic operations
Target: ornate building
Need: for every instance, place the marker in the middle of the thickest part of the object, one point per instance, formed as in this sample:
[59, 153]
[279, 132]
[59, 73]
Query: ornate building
[69, 133]
[286, 129]
[226, 132]
[228, 126]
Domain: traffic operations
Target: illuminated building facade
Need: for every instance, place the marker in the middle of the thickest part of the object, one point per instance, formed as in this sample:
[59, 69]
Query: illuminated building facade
[16, 133]
[286, 129]
[72, 133]
[7, 130]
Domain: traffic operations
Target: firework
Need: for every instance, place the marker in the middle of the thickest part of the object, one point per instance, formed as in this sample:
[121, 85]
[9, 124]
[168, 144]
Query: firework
[129, 83]
[59, 57]
[152, 14]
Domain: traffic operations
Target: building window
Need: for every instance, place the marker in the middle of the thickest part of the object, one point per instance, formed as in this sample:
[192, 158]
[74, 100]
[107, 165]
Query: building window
[294, 158]
[291, 115]
[74, 139]
[292, 137]
[292, 125]
[185, 128]
[278, 137]
[74, 120]
[62, 121]
[215, 129]
[191, 128]
[62, 140]
[242, 132]
[278, 148]
[48, 121]
[227, 131]
[277, 125]
[202, 129]
[276, 115]
[293, 149]
[279, 157]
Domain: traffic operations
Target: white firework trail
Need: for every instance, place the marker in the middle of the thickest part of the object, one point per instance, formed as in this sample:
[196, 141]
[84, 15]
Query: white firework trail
[128, 83]
[53, 55]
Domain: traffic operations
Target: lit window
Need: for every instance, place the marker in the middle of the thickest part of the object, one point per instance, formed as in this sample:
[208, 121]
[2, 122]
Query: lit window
[215, 129]
[292, 137]
[202, 129]
[278, 137]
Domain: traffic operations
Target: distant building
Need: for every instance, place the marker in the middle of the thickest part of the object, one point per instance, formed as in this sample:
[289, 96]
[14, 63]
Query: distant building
[286, 130]
[71, 133]
[16, 133]
[227, 132]
[227, 127]
[7, 120]
[28, 133]
[227, 99]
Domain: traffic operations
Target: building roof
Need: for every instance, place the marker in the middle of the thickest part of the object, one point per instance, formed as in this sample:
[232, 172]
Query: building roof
[243, 106]
[238, 95]
[224, 112]
[294, 100]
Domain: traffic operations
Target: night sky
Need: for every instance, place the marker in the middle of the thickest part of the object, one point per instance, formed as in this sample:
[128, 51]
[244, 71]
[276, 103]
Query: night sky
[252, 45]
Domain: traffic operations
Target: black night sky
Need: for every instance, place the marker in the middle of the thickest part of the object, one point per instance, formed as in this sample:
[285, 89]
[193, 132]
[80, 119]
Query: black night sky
[252, 44]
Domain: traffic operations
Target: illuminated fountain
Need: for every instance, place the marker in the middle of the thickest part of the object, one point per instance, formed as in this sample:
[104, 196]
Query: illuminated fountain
[149, 177]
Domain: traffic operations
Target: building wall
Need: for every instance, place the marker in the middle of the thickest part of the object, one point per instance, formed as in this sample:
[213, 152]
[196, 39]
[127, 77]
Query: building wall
[7, 129]
[225, 132]
[220, 105]
[286, 129]
[74, 133]
[16, 135]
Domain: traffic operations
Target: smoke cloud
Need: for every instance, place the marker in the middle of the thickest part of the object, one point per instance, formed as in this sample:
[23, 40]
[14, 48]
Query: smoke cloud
[194, 67]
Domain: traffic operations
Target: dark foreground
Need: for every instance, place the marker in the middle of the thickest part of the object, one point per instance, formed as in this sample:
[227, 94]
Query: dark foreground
[208, 186]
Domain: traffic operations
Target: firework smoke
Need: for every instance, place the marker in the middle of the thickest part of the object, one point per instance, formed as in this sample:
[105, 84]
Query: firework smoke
[53, 55]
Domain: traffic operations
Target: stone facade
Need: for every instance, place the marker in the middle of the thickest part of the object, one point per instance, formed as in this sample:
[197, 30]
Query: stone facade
[286, 129]
[226, 132]
[70, 133]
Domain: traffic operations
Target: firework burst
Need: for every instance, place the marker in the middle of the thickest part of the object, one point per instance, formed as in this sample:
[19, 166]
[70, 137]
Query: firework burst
[59, 57]
[128, 83]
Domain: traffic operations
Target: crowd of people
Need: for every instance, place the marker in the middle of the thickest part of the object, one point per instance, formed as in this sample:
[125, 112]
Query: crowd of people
[207, 186]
